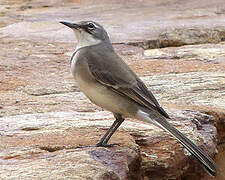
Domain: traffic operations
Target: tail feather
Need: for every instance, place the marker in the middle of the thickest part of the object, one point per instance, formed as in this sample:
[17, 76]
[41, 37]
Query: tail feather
[160, 121]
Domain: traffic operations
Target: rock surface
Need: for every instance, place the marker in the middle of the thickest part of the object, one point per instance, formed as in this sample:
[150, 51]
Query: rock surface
[49, 142]
[44, 116]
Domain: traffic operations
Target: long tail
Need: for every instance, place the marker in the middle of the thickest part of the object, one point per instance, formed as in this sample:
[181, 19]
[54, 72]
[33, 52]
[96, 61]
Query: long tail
[160, 121]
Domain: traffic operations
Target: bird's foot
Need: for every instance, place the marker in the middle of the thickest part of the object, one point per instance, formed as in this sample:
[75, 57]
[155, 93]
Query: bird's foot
[106, 145]
[97, 145]
[81, 146]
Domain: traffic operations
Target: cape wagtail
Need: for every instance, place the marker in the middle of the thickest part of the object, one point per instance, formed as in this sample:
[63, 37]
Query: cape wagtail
[109, 83]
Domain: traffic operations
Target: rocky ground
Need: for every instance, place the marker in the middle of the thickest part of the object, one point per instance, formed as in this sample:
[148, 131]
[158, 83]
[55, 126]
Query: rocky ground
[176, 47]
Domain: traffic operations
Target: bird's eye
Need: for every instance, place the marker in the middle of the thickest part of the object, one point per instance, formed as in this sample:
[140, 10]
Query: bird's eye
[91, 25]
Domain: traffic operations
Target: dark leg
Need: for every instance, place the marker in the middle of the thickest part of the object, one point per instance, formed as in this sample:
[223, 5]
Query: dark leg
[120, 121]
[107, 133]
[104, 140]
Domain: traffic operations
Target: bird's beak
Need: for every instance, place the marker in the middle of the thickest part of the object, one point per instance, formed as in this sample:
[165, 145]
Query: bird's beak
[71, 25]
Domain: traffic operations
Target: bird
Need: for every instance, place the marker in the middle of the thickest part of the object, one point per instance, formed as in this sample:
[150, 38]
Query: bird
[107, 81]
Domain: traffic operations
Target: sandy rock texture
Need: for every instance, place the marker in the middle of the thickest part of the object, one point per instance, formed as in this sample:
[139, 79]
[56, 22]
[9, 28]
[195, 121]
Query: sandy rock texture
[177, 49]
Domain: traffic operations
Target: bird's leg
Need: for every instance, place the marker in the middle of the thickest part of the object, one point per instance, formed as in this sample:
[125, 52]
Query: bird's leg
[102, 143]
[119, 122]
[107, 133]
[104, 140]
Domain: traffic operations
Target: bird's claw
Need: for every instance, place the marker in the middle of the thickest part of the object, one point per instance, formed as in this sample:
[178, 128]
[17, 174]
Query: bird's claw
[81, 146]
[106, 145]
[97, 145]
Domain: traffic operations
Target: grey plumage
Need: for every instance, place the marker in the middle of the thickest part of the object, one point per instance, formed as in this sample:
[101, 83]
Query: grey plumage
[117, 75]
[109, 83]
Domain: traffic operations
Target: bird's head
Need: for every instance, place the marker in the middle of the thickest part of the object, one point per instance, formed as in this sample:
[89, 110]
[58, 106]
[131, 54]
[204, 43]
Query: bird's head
[88, 33]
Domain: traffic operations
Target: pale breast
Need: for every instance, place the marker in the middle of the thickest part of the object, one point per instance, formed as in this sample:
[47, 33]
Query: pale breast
[97, 92]
[73, 63]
